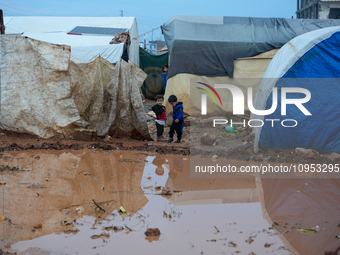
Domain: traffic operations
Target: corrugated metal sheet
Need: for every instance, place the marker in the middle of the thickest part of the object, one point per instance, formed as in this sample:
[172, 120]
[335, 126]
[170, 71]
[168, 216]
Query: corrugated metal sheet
[97, 30]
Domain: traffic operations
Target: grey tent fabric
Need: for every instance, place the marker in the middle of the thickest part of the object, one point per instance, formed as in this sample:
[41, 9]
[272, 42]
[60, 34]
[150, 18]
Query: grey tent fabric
[209, 45]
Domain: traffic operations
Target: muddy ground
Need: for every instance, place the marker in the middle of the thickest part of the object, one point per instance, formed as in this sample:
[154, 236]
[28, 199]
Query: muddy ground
[69, 202]
[237, 145]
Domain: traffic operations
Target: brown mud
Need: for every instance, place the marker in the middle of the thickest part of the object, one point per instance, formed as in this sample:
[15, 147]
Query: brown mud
[99, 201]
[77, 196]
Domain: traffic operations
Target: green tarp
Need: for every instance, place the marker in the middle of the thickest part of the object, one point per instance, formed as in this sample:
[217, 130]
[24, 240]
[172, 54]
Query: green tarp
[152, 65]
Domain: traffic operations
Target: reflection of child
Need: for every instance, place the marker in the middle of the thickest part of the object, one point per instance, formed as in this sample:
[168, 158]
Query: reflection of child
[178, 119]
[159, 171]
[159, 162]
[159, 109]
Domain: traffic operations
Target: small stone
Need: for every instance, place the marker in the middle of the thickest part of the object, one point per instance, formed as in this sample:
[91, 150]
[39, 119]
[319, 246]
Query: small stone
[85, 134]
[334, 156]
[207, 139]
[307, 153]
[152, 232]
[108, 139]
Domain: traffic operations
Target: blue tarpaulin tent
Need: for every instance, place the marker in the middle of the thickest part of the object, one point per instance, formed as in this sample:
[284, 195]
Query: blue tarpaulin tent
[310, 61]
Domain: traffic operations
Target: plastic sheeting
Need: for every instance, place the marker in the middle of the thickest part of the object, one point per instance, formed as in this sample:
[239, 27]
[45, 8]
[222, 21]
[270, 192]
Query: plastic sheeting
[152, 65]
[85, 47]
[302, 203]
[209, 45]
[316, 56]
[44, 92]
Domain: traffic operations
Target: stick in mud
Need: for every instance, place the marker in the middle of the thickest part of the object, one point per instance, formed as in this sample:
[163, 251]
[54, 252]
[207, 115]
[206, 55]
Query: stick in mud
[98, 205]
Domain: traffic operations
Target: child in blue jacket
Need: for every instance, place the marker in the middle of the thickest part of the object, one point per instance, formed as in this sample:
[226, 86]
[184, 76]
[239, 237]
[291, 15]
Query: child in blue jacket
[178, 119]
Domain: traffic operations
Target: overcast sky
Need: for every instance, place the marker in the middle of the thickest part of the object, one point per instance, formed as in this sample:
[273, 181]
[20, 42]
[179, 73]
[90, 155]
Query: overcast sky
[149, 13]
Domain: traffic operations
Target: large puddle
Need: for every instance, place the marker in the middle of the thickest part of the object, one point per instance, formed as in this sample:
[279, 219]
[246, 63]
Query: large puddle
[194, 216]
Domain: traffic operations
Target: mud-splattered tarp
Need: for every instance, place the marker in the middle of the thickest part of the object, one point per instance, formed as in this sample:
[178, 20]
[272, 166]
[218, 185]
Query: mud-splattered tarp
[44, 92]
[306, 203]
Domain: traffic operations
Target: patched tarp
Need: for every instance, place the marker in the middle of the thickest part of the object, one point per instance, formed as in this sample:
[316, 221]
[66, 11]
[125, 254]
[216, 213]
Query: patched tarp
[45, 93]
[208, 46]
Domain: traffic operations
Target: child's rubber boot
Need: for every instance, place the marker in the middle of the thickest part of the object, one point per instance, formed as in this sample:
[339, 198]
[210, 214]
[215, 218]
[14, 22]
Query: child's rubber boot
[178, 141]
[161, 139]
[170, 140]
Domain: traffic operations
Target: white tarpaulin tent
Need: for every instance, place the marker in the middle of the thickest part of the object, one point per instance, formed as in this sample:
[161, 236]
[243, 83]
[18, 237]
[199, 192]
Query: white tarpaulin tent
[46, 93]
[89, 38]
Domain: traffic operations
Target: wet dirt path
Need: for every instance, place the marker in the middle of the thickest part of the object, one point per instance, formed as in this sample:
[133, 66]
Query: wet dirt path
[197, 216]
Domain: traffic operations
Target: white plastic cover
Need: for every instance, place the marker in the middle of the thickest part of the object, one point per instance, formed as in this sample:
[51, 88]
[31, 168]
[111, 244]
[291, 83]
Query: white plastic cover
[44, 92]
[84, 47]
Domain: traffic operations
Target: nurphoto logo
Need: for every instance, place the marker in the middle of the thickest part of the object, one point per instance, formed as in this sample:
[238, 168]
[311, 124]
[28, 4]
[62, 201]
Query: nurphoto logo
[239, 102]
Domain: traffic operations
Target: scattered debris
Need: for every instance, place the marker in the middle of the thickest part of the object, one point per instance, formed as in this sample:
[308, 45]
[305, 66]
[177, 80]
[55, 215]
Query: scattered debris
[65, 223]
[38, 226]
[36, 186]
[107, 139]
[128, 228]
[308, 153]
[250, 240]
[118, 228]
[152, 232]
[87, 173]
[267, 245]
[3, 218]
[80, 209]
[102, 235]
[217, 229]
[122, 209]
[100, 209]
[232, 244]
[65, 211]
[74, 229]
[307, 231]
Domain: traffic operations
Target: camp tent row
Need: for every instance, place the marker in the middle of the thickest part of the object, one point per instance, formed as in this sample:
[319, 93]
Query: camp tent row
[231, 50]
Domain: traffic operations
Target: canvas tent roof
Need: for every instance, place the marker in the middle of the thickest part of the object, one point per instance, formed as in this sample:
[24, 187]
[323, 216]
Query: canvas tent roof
[96, 32]
[206, 45]
[304, 62]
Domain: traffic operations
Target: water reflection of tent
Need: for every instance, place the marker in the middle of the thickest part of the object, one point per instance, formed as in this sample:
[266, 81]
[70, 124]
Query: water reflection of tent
[312, 55]
[68, 186]
[207, 191]
[206, 48]
[308, 202]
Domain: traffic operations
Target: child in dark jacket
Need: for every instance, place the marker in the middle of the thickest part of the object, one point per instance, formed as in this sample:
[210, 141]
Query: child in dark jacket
[178, 119]
[159, 109]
